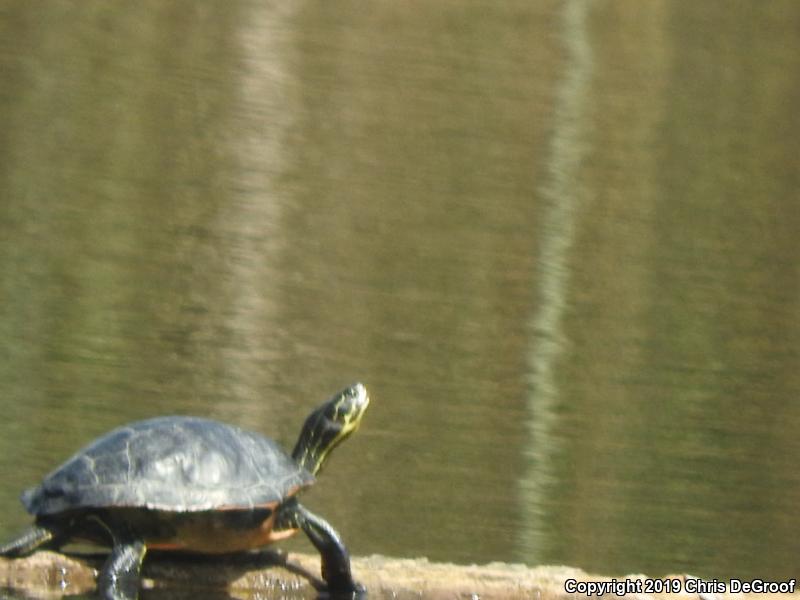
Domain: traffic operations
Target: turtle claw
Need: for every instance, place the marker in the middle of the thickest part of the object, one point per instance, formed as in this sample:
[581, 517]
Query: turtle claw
[357, 592]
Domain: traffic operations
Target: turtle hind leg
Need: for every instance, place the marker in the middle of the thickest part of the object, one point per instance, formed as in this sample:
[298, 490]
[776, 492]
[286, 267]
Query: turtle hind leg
[119, 578]
[31, 539]
[335, 558]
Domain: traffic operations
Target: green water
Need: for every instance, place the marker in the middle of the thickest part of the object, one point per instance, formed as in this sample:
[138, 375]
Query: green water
[557, 240]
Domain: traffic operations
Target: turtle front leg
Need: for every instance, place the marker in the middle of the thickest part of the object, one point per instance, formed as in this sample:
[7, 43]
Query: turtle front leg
[335, 558]
[119, 578]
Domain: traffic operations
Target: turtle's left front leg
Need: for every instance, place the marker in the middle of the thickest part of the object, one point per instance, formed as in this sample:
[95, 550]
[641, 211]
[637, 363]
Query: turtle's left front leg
[335, 558]
[119, 578]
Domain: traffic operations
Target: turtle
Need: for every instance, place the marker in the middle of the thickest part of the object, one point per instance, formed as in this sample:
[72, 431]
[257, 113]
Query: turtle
[192, 484]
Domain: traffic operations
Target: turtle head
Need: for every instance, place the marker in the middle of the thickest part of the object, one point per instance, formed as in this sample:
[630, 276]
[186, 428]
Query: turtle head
[329, 425]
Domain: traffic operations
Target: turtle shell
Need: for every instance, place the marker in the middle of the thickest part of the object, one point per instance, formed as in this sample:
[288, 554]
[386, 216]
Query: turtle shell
[178, 464]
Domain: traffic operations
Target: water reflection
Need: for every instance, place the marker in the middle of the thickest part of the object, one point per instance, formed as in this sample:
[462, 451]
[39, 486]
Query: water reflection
[561, 195]
[556, 239]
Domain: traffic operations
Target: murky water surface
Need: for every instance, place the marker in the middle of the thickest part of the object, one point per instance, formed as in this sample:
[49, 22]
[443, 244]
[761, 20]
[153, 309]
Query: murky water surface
[557, 240]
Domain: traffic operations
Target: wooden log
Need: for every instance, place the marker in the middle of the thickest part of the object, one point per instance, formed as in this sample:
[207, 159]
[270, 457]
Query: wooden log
[45, 574]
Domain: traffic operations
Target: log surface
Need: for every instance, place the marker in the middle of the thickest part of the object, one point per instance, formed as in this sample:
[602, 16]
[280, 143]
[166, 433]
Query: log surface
[272, 574]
